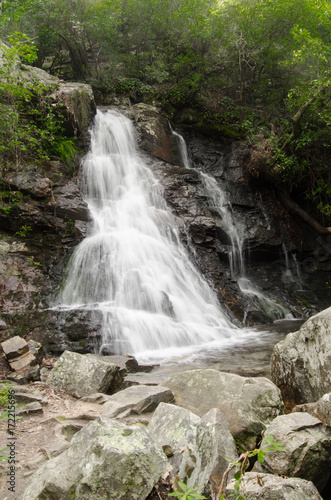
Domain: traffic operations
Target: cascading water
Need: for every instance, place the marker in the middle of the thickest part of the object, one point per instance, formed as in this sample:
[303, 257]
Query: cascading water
[133, 267]
[236, 234]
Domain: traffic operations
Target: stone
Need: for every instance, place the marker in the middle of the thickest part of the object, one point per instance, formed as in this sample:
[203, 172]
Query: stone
[81, 375]
[98, 397]
[106, 459]
[247, 404]
[37, 350]
[307, 445]
[22, 362]
[136, 400]
[224, 447]
[30, 408]
[188, 445]
[30, 182]
[256, 486]
[69, 203]
[29, 396]
[25, 375]
[301, 364]
[321, 409]
[15, 347]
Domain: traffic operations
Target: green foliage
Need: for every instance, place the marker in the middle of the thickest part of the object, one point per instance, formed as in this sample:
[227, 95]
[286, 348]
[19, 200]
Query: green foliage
[23, 231]
[30, 126]
[243, 463]
[187, 493]
[5, 388]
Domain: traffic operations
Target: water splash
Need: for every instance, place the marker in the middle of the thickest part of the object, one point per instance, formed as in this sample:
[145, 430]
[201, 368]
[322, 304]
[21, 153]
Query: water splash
[235, 232]
[133, 267]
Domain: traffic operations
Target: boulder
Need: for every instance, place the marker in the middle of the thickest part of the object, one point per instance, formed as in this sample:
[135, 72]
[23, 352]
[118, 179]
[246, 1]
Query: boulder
[307, 445]
[224, 447]
[321, 409]
[247, 404]
[18, 354]
[301, 364]
[81, 375]
[256, 486]
[106, 459]
[15, 347]
[188, 445]
[136, 400]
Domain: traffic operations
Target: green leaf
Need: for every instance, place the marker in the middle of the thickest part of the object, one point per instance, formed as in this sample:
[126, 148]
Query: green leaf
[237, 475]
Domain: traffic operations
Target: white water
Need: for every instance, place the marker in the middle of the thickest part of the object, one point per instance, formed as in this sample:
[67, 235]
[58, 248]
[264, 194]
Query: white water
[133, 267]
[236, 233]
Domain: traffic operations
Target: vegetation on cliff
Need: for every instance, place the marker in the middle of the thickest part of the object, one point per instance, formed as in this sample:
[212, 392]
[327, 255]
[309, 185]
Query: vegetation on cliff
[255, 69]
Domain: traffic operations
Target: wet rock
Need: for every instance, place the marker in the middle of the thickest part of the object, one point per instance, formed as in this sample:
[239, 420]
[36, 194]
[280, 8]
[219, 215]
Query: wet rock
[105, 459]
[155, 135]
[81, 375]
[69, 203]
[256, 486]
[321, 409]
[301, 364]
[136, 400]
[247, 404]
[30, 182]
[307, 444]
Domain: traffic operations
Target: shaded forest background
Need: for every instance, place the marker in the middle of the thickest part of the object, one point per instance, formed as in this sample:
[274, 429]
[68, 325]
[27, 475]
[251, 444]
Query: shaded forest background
[253, 70]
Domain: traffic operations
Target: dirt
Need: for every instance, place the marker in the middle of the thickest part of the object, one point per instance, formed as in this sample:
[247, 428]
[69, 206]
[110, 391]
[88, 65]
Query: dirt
[39, 437]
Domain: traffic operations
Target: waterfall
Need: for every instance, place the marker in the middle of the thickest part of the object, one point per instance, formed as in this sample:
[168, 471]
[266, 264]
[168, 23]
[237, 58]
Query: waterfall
[132, 266]
[235, 231]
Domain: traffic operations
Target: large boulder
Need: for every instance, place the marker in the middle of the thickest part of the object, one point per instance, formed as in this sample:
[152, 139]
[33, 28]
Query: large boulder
[247, 404]
[301, 364]
[136, 400]
[256, 486]
[106, 459]
[307, 445]
[196, 448]
[81, 375]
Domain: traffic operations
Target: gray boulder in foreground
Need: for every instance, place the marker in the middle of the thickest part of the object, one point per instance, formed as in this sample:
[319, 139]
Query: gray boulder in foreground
[81, 374]
[307, 444]
[256, 486]
[301, 364]
[105, 460]
[196, 448]
[136, 400]
[247, 404]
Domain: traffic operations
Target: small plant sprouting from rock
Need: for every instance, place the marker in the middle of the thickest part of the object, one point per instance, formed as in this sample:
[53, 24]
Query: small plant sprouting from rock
[242, 463]
[187, 493]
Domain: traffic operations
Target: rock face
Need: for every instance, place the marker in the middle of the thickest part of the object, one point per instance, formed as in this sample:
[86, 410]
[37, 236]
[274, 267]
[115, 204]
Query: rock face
[106, 459]
[18, 353]
[154, 132]
[247, 404]
[307, 444]
[81, 375]
[301, 364]
[269, 487]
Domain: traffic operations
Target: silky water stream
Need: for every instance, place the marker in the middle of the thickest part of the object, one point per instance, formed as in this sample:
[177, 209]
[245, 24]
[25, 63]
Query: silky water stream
[133, 267]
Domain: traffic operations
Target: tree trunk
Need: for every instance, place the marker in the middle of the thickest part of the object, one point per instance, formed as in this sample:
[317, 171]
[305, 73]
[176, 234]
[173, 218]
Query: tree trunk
[293, 207]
